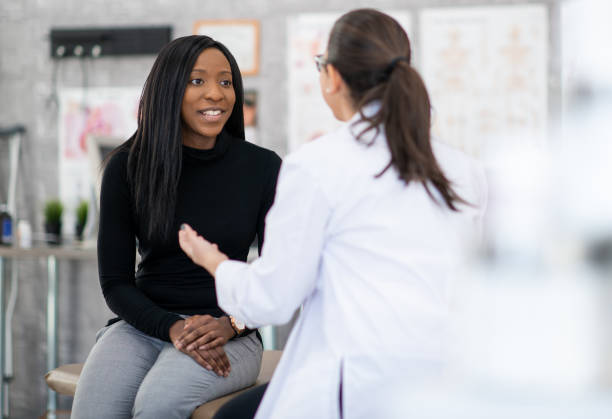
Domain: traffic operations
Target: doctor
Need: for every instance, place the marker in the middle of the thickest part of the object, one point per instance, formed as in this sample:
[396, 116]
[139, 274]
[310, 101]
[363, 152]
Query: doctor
[366, 228]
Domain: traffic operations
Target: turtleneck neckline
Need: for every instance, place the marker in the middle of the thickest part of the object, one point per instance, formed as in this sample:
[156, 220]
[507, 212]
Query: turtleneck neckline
[221, 146]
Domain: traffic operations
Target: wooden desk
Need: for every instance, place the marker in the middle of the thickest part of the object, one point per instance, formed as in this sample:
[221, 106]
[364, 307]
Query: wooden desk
[52, 254]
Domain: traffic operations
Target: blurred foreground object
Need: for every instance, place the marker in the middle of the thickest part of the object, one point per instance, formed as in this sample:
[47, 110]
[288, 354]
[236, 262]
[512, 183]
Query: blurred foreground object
[534, 308]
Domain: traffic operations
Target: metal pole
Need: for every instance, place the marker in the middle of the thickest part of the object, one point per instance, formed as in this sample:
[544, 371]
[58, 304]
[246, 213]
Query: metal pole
[2, 336]
[51, 331]
[9, 311]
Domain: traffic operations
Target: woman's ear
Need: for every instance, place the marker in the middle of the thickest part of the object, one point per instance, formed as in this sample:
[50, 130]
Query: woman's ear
[335, 81]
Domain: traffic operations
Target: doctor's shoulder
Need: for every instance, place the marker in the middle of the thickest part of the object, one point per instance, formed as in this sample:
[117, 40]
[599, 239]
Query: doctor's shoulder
[318, 162]
[320, 152]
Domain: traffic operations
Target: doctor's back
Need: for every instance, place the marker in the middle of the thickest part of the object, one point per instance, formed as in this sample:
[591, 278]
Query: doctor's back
[390, 249]
[378, 313]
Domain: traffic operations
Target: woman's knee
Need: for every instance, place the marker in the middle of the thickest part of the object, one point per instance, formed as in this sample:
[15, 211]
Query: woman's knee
[158, 404]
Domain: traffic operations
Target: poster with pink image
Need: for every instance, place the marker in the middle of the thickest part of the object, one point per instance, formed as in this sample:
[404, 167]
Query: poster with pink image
[80, 120]
[97, 112]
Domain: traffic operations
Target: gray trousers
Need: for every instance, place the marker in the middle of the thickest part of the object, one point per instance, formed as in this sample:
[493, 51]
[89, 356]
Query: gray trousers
[129, 374]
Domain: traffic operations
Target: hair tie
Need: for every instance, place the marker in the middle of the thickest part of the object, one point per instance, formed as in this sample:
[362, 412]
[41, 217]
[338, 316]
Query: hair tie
[382, 76]
[394, 62]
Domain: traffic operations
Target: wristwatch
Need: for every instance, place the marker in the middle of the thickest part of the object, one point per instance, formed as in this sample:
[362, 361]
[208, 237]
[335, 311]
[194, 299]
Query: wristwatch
[237, 325]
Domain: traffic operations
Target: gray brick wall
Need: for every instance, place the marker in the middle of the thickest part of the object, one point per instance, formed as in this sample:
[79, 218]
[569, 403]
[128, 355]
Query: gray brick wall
[25, 91]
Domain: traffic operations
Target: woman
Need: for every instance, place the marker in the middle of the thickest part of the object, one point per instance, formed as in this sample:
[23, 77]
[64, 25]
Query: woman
[364, 234]
[187, 161]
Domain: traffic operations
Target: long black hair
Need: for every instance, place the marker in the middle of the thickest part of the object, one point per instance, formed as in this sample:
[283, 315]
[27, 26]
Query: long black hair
[372, 53]
[155, 149]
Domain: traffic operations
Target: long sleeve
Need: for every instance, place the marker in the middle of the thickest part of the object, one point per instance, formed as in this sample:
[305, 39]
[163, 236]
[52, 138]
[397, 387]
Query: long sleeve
[270, 289]
[116, 256]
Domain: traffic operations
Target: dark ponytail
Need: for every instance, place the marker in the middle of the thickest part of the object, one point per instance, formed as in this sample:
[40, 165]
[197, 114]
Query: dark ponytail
[372, 53]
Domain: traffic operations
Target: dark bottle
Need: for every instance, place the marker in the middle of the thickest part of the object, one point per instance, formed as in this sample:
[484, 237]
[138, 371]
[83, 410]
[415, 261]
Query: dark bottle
[6, 227]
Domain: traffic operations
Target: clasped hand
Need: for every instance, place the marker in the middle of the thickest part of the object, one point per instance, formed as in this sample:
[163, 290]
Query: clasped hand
[202, 337]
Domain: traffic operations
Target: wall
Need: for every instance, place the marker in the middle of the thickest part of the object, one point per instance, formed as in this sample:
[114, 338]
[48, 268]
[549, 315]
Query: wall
[26, 72]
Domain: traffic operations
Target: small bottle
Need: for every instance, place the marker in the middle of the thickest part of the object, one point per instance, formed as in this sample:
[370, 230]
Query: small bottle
[24, 232]
[6, 227]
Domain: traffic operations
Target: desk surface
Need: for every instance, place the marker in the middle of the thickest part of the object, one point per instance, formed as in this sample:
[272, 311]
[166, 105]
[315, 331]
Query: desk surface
[61, 252]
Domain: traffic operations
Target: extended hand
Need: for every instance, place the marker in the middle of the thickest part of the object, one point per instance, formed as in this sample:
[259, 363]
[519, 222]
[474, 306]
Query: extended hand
[200, 250]
[205, 332]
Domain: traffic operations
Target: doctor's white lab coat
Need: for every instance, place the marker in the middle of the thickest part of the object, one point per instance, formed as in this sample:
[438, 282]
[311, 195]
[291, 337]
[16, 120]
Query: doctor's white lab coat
[370, 260]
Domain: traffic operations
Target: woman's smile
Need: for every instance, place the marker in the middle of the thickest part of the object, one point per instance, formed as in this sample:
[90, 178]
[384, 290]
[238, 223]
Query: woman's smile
[212, 114]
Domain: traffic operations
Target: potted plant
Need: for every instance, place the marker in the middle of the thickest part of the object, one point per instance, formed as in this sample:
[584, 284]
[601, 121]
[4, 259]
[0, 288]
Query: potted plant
[81, 218]
[53, 221]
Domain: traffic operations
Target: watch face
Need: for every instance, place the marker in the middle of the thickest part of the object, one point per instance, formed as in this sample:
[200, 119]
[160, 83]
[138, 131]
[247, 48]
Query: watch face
[238, 324]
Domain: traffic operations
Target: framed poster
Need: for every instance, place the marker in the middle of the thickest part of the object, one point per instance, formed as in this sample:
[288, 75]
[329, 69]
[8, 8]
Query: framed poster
[486, 72]
[240, 36]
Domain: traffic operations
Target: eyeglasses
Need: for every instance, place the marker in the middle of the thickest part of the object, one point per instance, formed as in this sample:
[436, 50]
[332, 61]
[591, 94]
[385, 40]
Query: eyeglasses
[320, 62]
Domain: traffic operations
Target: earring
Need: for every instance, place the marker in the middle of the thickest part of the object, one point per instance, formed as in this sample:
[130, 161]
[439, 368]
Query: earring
[328, 90]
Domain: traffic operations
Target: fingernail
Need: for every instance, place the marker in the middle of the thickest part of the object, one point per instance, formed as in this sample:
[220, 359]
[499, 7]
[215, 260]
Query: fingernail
[190, 348]
[209, 368]
[183, 226]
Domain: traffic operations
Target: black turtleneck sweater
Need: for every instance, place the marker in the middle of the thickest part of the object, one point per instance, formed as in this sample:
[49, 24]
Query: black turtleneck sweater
[224, 193]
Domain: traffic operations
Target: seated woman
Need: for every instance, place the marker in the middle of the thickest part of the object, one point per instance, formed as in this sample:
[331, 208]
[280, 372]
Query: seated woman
[187, 160]
[366, 229]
